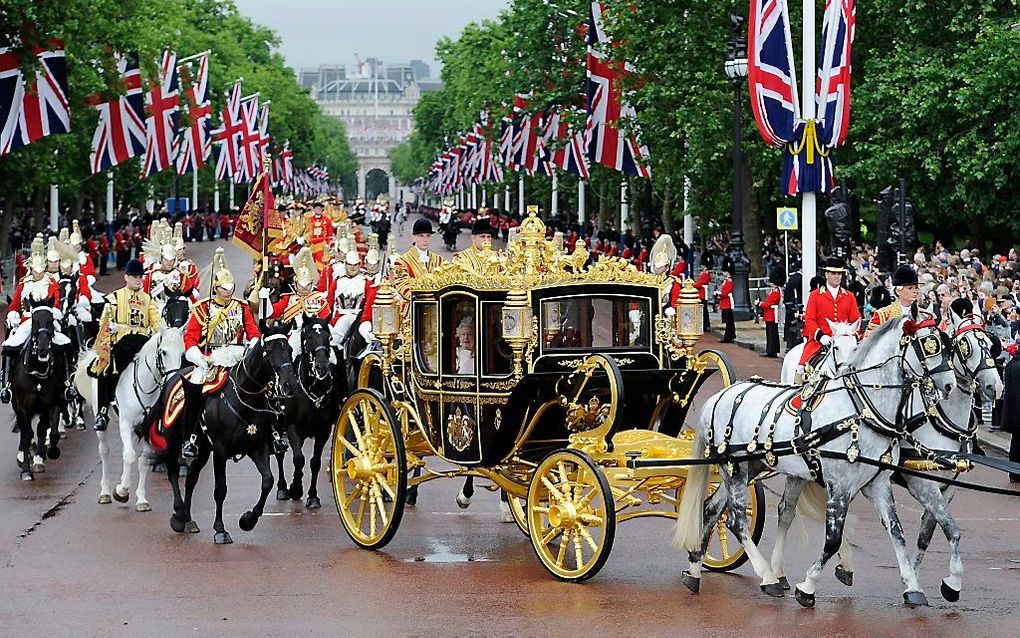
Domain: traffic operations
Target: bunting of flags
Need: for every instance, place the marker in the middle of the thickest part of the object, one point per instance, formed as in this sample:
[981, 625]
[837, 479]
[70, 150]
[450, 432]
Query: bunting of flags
[120, 133]
[33, 107]
[162, 109]
[193, 146]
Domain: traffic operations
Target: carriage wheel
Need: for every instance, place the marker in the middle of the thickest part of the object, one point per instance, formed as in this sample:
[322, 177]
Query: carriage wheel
[720, 361]
[519, 510]
[370, 372]
[369, 469]
[571, 515]
[725, 553]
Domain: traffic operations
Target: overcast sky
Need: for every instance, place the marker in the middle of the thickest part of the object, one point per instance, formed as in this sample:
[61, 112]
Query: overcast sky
[315, 32]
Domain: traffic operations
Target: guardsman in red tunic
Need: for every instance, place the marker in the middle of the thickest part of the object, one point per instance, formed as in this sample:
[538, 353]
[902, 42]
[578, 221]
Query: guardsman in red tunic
[190, 285]
[726, 308]
[831, 303]
[36, 288]
[86, 266]
[215, 336]
[642, 259]
[304, 300]
[316, 233]
[768, 312]
[704, 280]
[104, 253]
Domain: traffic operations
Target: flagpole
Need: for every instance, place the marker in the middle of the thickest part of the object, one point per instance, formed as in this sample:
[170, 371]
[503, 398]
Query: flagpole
[194, 189]
[181, 61]
[54, 208]
[230, 200]
[554, 210]
[581, 208]
[520, 195]
[506, 198]
[216, 196]
[809, 235]
[109, 197]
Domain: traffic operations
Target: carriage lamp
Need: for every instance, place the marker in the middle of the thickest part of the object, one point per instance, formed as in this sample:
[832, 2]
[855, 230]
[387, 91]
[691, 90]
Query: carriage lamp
[516, 324]
[385, 318]
[689, 326]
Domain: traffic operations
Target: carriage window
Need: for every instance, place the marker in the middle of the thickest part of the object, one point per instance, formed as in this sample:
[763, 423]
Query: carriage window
[498, 356]
[427, 337]
[460, 337]
[596, 322]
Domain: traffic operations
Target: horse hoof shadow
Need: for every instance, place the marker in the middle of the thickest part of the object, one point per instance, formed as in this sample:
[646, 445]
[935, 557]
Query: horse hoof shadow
[104, 499]
[843, 576]
[191, 527]
[222, 538]
[805, 600]
[177, 524]
[296, 491]
[247, 521]
[313, 503]
[282, 494]
[950, 594]
[117, 496]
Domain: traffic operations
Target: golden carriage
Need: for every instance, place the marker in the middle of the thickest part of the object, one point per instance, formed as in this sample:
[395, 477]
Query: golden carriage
[564, 385]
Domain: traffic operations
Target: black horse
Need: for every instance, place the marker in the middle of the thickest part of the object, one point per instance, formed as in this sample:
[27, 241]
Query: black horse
[38, 392]
[312, 411]
[236, 421]
[176, 310]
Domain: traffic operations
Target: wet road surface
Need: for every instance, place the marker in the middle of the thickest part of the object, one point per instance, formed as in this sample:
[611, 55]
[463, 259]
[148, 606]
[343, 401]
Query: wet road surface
[69, 566]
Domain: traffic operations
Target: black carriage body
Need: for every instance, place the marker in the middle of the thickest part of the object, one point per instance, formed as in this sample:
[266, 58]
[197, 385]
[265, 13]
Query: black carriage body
[477, 413]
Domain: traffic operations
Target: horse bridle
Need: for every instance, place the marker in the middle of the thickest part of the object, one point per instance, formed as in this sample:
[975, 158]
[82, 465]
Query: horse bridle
[268, 386]
[35, 346]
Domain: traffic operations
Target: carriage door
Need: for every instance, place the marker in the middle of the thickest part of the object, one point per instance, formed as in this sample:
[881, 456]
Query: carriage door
[459, 362]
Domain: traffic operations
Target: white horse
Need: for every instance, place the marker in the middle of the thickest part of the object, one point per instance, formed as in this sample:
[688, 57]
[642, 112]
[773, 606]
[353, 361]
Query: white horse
[844, 340]
[854, 416]
[137, 391]
[950, 429]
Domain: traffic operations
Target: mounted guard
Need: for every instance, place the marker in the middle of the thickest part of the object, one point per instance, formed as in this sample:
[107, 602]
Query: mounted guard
[304, 299]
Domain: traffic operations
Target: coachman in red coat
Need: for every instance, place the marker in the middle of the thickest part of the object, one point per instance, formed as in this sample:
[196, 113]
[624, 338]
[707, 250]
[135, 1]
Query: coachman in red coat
[829, 303]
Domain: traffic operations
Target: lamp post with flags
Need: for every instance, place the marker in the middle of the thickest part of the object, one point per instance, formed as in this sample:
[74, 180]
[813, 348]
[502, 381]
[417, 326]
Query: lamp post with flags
[736, 70]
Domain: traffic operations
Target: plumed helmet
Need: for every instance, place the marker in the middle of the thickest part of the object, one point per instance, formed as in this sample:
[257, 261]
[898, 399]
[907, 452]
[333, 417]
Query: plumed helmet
[38, 256]
[68, 256]
[168, 251]
[663, 252]
[179, 236]
[222, 277]
[352, 258]
[51, 250]
[75, 237]
[134, 268]
[65, 234]
[305, 273]
[904, 276]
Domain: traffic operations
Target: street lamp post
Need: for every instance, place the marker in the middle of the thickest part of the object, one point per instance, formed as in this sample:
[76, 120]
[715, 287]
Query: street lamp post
[736, 70]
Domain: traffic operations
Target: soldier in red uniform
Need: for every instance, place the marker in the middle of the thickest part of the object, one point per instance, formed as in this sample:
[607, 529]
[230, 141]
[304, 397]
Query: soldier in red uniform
[704, 280]
[768, 310]
[831, 302]
[726, 308]
[86, 266]
[304, 300]
[120, 247]
[317, 231]
[104, 253]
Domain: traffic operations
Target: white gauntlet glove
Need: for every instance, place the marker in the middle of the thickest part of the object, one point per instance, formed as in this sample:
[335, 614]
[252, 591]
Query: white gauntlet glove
[13, 318]
[825, 340]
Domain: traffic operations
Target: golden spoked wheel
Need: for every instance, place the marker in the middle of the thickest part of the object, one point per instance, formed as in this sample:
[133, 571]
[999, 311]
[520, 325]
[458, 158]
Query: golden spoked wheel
[369, 469]
[518, 509]
[720, 361]
[370, 372]
[571, 515]
[725, 553]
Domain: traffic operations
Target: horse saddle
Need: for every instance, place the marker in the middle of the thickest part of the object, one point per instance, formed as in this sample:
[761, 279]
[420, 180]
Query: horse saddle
[175, 397]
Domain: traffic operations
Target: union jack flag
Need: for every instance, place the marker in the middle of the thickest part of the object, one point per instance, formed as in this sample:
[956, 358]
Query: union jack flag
[32, 109]
[120, 134]
[162, 105]
[565, 148]
[607, 145]
[770, 78]
[833, 94]
[249, 156]
[227, 137]
[193, 147]
[286, 166]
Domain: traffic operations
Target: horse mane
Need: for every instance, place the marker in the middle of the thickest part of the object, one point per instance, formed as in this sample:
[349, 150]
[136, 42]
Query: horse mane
[842, 329]
[876, 343]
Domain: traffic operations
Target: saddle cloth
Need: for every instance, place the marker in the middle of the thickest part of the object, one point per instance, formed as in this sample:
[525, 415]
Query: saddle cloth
[175, 405]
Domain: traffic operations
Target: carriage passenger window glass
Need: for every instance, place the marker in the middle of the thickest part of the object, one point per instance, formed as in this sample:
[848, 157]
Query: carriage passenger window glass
[498, 356]
[595, 322]
[427, 337]
[460, 340]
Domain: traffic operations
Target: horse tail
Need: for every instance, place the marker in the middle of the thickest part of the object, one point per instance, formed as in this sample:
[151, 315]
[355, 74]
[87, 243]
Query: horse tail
[82, 381]
[689, 529]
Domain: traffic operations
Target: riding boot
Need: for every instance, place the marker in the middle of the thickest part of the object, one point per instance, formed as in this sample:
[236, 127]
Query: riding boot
[70, 393]
[103, 390]
[192, 412]
[5, 384]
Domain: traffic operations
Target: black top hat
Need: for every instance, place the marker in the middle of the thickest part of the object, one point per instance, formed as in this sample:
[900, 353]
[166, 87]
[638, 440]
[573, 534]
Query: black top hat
[482, 227]
[904, 276]
[834, 264]
[777, 276]
[422, 226]
[134, 268]
[962, 306]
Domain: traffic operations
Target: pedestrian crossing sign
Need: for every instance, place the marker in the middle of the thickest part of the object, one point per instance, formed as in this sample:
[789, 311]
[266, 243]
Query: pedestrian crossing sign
[786, 218]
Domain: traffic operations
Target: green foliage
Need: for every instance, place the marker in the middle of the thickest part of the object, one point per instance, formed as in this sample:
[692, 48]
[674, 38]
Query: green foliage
[94, 29]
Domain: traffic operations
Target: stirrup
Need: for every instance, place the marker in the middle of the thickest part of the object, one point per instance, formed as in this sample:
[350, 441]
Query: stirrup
[5, 395]
[189, 451]
[70, 394]
[101, 422]
[280, 445]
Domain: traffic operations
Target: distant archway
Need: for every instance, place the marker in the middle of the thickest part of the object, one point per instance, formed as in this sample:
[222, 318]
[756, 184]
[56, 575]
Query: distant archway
[377, 182]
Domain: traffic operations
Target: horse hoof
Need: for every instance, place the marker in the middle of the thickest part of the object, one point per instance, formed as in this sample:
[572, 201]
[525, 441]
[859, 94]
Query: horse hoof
[282, 495]
[79, 423]
[38, 468]
[773, 589]
[177, 524]
[26, 475]
[143, 506]
[53, 453]
[805, 600]
[785, 583]
[296, 491]
[191, 527]
[63, 433]
[463, 501]
[313, 503]
[247, 521]
[118, 497]
[843, 576]
[915, 599]
[950, 594]
[104, 499]
[690, 582]
[222, 538]
[159, 468]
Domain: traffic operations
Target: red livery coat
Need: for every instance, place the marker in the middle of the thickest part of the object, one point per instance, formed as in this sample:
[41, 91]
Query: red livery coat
[768, 306]
[821, 306]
